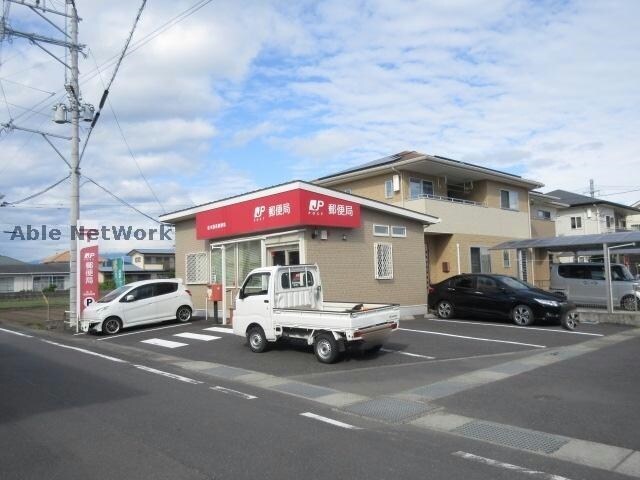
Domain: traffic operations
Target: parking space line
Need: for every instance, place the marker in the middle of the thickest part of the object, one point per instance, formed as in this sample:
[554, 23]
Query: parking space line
[219, 330]
[143, 331]
[164, 343]
[428, 332]
[329, 421]
[407, 353]
[508, 466]
[196, 336]
[168, 375]
[515, 326]
[16, 333]
[236, 393]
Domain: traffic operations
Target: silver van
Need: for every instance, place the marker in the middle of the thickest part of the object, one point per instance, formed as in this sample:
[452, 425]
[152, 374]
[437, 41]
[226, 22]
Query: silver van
[584, 283]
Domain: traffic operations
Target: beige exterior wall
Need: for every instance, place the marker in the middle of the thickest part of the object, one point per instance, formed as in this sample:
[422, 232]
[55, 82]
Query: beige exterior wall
[542, 228]
[347, 267]
[186, 242]
[444, 248]
[541, 268]
[372, 187]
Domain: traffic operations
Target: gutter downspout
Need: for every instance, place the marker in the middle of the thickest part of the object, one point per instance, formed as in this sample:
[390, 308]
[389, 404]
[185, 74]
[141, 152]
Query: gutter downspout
[458, 257]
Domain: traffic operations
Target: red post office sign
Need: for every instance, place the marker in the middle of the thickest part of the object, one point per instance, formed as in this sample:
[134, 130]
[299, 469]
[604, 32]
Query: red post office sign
[89, 288]
[293, 208]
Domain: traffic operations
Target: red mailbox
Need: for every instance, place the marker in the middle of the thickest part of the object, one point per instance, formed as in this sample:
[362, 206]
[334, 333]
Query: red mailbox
[214, 292]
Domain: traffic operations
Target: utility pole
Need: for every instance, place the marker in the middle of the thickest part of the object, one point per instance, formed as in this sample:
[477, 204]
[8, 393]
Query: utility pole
[74, 208]
[592, 188]
[75, 108]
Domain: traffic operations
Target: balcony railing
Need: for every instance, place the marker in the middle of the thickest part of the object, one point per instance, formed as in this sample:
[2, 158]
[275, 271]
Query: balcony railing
[460, 201]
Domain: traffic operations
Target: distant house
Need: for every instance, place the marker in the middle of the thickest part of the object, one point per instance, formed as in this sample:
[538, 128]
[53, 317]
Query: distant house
[18, 276]
[142, 264]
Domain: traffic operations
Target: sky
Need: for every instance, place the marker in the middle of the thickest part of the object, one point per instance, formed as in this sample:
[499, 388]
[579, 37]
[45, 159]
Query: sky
[246, 94]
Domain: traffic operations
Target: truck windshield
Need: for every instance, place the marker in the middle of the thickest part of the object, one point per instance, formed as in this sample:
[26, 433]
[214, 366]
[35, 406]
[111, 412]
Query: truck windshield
[114, 294]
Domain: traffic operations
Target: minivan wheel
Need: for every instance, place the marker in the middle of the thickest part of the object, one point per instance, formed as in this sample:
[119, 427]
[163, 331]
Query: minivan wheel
[183, 314]
[630, 303]
[522, 315]
[256, 339]
[111, 325]
[444, 309]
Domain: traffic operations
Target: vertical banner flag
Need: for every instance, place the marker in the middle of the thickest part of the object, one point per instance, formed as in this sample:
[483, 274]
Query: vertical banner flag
[87, 267]
[117, 265]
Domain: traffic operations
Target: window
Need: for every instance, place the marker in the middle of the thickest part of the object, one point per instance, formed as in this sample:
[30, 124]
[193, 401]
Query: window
[576, 222]
[609, 221]
[463, 282]
[46, 281]
[347, 190]
[165, 287]
[256, 284]
[6, 284]
[544, 214]
[140, 293]
[197, 268]
[506, 259]
[296, 279]
[420, 188]
[137, 259]
[397, 231]
[381, 230]
[573, 271]
[383, 261]
[487, 284]
[388, 189]
[480, 260]
[509, 199]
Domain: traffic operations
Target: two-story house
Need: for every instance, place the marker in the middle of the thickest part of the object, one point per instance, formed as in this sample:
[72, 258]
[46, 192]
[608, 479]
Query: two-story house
[590, 215]
[479, 207]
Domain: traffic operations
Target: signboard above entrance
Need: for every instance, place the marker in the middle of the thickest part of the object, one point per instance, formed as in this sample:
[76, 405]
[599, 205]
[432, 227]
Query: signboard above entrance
[293, 208]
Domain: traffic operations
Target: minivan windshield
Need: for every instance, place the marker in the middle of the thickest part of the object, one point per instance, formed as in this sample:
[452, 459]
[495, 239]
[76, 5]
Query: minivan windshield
[621, 272]
[114, 294]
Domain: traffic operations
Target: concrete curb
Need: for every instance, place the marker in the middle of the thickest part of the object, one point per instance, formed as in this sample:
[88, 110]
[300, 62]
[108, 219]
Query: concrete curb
[631, 319]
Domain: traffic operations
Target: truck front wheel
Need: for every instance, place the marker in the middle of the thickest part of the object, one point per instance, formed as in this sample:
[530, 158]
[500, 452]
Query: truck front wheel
[257, 339]
[326, 348]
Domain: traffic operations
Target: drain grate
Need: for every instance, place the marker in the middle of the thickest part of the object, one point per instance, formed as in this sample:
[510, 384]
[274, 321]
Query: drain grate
[304, 389]
[389, 409]
[511, 436]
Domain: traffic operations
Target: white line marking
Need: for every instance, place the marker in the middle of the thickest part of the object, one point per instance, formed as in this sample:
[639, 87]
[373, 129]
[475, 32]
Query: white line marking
[220, 330]
[16, 333]
[508, 466]
[164, 343]
[406, 353]
[515, 326]
[196, 336]
[329, 420]
[88, 352]
[79, 333]
[168, 375]
[143, 331]
[229, 391]
[472, 338]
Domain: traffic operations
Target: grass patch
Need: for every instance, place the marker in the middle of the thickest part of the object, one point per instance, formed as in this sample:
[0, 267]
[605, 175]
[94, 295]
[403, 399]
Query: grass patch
[20, 303]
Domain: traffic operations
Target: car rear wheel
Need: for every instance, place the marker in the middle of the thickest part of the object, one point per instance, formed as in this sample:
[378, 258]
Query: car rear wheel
[522, 315]
[183, 314]
[257, 339]
[325, 348]
[111, 325]
[630, 303]
[444, 309]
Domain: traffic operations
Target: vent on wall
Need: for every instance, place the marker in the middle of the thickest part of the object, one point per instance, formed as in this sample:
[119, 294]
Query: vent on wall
[445, 267]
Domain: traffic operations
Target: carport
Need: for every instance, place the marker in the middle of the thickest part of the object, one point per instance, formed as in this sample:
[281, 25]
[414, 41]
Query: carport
[603, 242]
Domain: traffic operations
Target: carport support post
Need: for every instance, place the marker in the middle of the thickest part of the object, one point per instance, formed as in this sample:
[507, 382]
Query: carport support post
[607, 277]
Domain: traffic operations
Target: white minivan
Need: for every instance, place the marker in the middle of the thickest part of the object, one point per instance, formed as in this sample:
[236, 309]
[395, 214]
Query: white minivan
[584, 284]
[138, 303]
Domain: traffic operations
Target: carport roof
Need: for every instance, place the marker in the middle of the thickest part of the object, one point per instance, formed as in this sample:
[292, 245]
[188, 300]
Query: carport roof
[570, 242]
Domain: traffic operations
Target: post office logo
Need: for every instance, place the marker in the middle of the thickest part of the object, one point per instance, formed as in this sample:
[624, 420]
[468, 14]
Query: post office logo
[315, 207]
[257, 212]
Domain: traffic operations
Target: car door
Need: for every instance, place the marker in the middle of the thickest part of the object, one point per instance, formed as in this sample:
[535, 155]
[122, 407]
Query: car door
[460, 292]
[491, 298]
[166, 301]
[140, 308]
[254, 297]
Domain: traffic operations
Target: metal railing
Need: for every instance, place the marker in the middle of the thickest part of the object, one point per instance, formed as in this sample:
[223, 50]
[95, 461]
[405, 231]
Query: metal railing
[441, 198]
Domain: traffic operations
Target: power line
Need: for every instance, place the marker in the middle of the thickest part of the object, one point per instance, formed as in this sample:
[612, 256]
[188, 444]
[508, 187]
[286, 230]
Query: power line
[50, 187]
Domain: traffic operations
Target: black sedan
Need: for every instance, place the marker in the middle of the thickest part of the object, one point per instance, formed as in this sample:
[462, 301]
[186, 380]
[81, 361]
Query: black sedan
[499, 295]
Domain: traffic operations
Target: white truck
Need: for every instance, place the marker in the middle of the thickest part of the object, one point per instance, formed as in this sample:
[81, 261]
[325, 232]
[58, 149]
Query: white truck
[287, 302]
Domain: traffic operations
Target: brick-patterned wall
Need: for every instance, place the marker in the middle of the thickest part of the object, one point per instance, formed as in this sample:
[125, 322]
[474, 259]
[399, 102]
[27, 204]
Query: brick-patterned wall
[347, 267]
